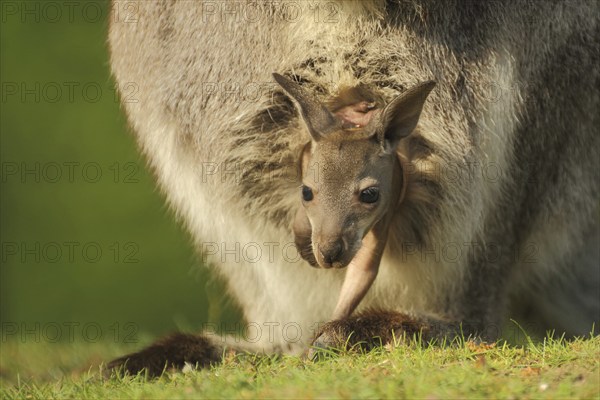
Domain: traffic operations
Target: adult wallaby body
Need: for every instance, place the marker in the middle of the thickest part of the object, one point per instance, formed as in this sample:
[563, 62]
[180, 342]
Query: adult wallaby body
[500, 212]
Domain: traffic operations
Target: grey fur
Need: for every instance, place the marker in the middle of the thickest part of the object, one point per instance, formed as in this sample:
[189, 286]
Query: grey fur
[504, 163]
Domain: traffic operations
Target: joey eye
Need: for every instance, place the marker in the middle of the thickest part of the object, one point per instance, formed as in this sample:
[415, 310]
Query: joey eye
[369, 195]
[307, 194]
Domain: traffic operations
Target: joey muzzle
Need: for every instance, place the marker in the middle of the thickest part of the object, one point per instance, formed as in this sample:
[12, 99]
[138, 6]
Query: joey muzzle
[331, 253]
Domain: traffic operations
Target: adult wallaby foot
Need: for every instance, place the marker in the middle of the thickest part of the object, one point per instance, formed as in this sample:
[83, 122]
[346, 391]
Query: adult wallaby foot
[373, 328]
[171, 352]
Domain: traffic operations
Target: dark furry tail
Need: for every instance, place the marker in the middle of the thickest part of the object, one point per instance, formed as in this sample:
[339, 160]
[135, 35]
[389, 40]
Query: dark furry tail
[171, 352]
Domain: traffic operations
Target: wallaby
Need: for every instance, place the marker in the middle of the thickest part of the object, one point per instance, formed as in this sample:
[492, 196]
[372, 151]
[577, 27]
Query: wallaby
[352, 204]
[497, 180]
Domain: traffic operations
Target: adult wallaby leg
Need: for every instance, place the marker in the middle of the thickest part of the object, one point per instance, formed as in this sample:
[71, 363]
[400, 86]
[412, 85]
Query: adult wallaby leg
[372, 328]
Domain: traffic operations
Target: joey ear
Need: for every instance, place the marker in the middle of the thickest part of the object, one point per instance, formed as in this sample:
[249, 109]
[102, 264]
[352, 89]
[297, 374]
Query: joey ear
[317, 118]
[399, 118]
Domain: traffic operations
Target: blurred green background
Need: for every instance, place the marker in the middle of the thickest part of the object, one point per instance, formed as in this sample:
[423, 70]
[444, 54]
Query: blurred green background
[86, 237]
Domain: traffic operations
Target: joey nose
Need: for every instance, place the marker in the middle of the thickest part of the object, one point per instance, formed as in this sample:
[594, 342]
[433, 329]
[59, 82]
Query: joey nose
[332, 252]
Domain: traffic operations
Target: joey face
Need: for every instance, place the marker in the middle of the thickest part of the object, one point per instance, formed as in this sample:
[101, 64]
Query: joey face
[349, 169]
[346, 189]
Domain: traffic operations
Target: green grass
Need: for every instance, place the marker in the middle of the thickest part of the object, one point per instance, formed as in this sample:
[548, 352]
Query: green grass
[550, 369]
